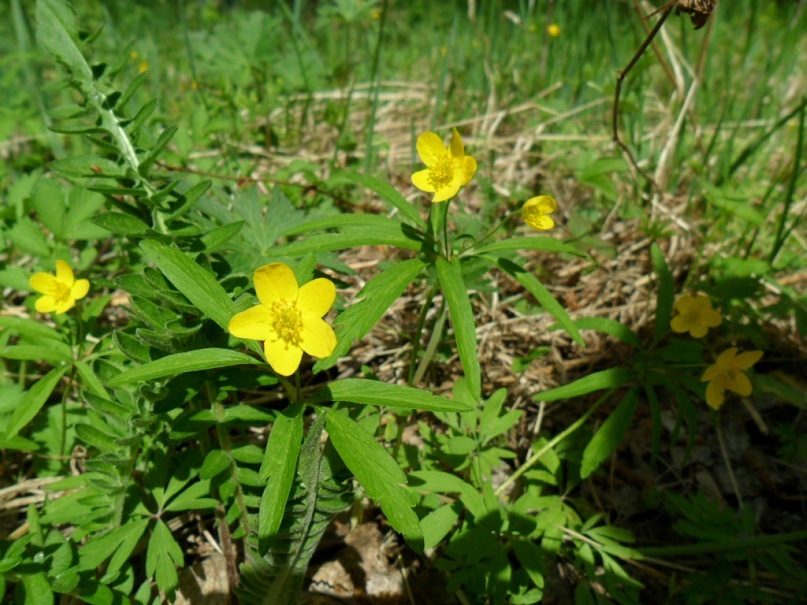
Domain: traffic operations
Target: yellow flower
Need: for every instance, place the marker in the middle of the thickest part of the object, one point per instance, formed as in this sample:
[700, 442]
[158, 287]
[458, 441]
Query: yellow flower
[288, 319]
[536, 209]
[695, 315]
[727, 375]
[60, 292]
[448, 167]
[553, 30]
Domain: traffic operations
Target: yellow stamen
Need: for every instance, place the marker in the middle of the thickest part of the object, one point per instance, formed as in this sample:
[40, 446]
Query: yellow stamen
[442, 172]
[288, 322]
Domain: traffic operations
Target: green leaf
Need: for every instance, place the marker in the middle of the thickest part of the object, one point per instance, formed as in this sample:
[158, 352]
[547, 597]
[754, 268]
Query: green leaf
[373, 392]
[339, 221]
[392, 234]
[609, 435]
[546, 244]
[440, 482]
[162, 557]
[216, 461]
[59, 352]
[214, 239]
[120, 223]
[387, 193]
[437, 524]
[30, 328]
[26, 236]
[373, 300]
[88, 166]
[378, 473]
[96, 438]
[664, 304]
[179, 363]
[57, 33]
[607, 326]
[37, 589]
[462, 318]
[606, 379]
[543, 296]
[33, 401]
[278, 467]
[197, 284]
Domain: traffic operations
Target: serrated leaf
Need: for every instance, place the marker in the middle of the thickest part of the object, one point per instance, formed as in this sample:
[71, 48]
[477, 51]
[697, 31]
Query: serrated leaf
[197, 284]
[373, 300]
[606, 379]
[96, 438]
[373, 392]
[607, 438]
[179, 363]
[57, 33]
[278, 471]
[378, 473]
[462, 319]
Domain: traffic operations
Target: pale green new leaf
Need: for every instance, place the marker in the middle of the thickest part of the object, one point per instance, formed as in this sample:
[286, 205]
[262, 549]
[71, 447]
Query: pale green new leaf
[373, 392]
[462, 319]
[373, 300]
[197, 284]
[607, 438]
[179, 363]
[278, 467]
[378, 473]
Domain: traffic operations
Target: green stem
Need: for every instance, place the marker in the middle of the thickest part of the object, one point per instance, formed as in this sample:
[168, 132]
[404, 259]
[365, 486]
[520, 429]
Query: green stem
[431, 348]
[226, 446]
[424, 311]
[557, 439]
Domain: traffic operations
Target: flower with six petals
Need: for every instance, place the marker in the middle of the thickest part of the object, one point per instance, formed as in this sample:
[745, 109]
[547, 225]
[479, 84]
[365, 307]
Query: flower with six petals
[727, 375]
[289, 319]
[536, 210]
[695, 315]
[447, 168]
[59, 292]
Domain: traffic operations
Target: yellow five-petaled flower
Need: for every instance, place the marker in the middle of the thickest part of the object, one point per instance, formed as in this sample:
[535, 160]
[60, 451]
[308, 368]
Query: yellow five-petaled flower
[695, 315]
[536, 210]
[448, 168]
[727, 375]
[288, 318]
[59, 292]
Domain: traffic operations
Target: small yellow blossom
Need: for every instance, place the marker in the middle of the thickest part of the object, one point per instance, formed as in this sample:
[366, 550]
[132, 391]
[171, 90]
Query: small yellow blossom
[59, 292]
[448, 168]
[553, 30]
[727, 375]
[288, 318]
[695, 315]
[536, 210]
[143, 66]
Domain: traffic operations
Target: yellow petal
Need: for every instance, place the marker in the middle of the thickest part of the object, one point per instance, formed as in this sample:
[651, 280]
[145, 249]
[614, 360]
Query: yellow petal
[726, 358]
[430, 148]
[422, 181]
[65, 305]
[446, 193]
[712, 318]
[255, 323]
[80, 289]
[739, 383]
[468, 170]
[316, 297]
[45, 304]
[457, 148]
[698, 330]
[679, 324]
[541, 223]
[715, 394]
[44, 283]
[283, 358]
[684, 304]
[64, 273]
[542, 203]
[710, 373]
[275, 282]
[319, 338]
[744, 361]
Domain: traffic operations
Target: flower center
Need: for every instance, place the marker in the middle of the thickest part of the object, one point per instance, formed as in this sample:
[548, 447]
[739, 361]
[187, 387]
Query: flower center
[60, 292]
[442, 172]
[287, 322]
